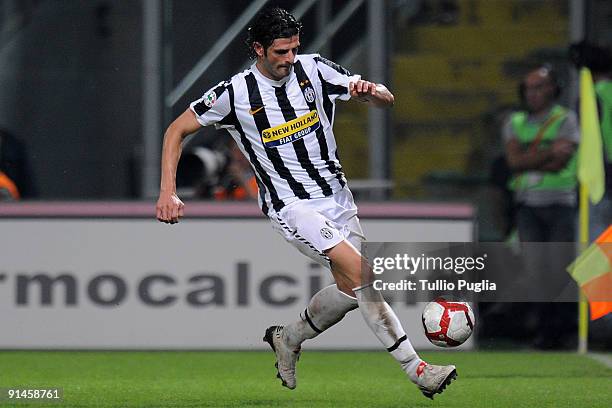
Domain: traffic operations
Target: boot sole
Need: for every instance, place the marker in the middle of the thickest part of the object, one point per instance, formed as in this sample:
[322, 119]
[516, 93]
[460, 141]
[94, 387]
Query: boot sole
[447, 381]
[268, 339]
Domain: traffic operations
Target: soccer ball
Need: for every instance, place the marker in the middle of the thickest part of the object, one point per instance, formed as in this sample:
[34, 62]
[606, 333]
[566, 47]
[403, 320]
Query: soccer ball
[448, 324]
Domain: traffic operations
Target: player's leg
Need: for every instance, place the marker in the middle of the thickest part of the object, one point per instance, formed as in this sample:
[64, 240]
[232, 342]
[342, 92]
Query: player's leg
[320, 229]
[326, 308]
[354, 276]
[377, 313]
[329, 305]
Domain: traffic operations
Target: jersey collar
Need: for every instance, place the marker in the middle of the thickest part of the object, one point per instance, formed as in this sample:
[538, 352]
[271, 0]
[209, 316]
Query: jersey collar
[261, 77]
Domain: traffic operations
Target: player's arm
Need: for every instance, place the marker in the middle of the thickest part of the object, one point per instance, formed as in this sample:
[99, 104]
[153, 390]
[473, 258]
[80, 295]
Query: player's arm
[370, 92]
[337, 77]
[169, 207]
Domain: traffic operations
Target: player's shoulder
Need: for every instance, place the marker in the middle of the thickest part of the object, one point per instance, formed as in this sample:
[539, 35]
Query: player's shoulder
[237, 78]
[320, 61]
[235, 82]
[310, 58]
[307, 58]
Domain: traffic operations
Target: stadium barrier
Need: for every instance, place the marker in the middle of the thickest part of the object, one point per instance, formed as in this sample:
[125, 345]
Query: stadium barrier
[109, 276]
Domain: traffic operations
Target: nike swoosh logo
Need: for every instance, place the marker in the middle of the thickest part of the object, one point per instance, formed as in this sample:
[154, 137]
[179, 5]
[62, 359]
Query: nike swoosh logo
[253, 112]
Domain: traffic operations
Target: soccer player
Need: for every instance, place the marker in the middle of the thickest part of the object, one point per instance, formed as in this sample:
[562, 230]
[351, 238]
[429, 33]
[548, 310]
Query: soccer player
[280, 112]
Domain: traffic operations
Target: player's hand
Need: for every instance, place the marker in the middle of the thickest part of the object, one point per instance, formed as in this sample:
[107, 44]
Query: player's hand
[362, 90]
[169, 208]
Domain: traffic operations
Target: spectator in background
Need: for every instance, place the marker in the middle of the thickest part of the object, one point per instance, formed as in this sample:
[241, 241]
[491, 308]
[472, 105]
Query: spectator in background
[540, 144]
[541, 147]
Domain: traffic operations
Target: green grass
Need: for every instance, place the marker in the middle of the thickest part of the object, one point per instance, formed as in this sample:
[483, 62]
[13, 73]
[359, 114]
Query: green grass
[325, 379]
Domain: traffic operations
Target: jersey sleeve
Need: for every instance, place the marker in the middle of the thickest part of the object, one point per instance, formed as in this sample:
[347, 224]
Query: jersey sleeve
[507, 130]
[213, 106]
[335, 78]
[570, 129]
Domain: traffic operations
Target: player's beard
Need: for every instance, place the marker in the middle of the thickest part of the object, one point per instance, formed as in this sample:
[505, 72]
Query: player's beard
[276, 72]
[282, 71]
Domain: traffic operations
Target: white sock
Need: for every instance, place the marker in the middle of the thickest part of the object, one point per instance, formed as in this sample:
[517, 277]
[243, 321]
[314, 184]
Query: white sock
[384, 323]
[326, 308]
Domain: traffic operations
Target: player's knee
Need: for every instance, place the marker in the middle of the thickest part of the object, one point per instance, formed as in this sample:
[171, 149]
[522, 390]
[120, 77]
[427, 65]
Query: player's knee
[353, 280]
[347, 271]
[347, 288]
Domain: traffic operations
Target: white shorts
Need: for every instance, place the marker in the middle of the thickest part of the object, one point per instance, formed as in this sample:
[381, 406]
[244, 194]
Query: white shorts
[316, 225]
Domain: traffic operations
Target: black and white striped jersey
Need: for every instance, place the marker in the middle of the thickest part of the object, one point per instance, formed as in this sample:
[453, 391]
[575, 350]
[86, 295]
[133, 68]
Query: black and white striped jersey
[283, 127]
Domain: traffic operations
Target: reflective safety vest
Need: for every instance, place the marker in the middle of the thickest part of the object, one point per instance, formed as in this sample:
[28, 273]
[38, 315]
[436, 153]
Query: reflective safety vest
[603, 89]
[527, 133]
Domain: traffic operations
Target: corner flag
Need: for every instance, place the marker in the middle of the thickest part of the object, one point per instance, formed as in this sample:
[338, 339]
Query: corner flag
[590, 153]
[592, 270]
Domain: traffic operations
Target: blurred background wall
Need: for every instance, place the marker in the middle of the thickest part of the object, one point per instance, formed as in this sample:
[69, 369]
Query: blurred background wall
[72, 91]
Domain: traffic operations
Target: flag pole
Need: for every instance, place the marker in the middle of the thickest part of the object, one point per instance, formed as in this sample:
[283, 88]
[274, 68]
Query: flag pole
[591, 176]
[583, 306]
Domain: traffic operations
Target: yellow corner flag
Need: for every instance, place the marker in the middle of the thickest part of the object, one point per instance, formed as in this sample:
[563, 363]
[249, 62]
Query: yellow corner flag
[593, 272]
[590, 153]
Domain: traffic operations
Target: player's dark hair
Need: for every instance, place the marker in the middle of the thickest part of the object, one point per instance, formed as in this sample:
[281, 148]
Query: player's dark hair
[270, 24]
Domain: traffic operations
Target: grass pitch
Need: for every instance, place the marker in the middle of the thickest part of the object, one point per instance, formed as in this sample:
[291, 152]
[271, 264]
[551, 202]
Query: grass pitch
[325, 379]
